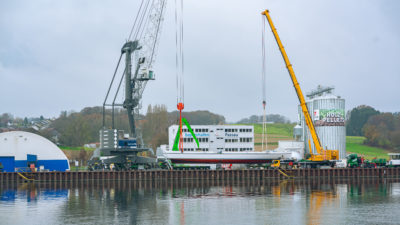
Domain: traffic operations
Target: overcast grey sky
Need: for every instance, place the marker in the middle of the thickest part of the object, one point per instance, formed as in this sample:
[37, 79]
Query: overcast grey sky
[60, 55]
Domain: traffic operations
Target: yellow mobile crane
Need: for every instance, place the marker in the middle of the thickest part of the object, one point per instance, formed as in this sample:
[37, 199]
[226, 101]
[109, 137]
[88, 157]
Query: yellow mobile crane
[324, 155]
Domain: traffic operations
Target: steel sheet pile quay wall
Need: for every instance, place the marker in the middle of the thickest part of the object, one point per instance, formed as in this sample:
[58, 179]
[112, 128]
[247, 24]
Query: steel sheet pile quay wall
[129, 185]
[255, 174]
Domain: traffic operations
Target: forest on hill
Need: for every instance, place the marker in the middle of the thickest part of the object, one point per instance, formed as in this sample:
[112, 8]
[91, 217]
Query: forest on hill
[380, 129]
[78, 128]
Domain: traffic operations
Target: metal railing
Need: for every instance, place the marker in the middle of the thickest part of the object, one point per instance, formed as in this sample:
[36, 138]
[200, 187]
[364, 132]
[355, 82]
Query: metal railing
[24, 173]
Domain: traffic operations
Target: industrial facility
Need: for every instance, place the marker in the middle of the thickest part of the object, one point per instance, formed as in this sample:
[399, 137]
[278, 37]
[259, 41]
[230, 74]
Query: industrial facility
[21, 151]
[320, 135]
[202, 144]
[328, 116]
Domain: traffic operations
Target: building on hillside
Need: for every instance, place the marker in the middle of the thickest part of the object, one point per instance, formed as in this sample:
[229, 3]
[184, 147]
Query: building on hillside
[41, 124]
[19, 150]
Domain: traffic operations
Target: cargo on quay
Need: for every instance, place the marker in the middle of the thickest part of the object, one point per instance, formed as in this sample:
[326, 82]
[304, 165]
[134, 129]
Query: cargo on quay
[228, 144]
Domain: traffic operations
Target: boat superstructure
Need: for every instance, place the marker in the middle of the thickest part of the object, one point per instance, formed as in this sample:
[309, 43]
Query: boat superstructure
[225, 144]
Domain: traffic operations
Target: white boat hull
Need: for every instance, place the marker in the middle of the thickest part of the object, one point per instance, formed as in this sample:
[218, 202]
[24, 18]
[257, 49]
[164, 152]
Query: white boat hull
[224, 157]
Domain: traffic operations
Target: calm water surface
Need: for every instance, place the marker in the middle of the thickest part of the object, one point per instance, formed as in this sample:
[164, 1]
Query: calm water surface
[203, 202]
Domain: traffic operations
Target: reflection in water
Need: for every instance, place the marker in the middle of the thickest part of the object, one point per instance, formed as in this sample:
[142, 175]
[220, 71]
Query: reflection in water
[202, 202]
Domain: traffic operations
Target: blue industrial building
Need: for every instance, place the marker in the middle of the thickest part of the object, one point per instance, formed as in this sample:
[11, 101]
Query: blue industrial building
[19, 149]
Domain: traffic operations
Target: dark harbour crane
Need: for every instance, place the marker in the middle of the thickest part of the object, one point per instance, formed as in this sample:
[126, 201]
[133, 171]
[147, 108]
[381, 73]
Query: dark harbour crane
[119, 147]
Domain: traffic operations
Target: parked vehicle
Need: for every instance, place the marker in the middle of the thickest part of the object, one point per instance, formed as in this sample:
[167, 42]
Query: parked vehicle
[394, 160]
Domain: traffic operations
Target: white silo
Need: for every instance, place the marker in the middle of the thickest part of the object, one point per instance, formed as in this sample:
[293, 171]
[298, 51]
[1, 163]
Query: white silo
[328, 114]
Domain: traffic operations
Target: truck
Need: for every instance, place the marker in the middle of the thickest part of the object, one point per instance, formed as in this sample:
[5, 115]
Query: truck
[355, 161]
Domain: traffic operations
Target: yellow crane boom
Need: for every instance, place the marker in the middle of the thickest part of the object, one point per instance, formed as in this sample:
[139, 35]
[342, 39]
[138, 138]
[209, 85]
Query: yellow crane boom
[322, 154]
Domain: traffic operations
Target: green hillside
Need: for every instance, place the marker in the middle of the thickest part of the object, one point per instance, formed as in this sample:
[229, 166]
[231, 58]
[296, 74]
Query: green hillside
[354, 144]
[275, 132]
[69, 148]
[281, 129]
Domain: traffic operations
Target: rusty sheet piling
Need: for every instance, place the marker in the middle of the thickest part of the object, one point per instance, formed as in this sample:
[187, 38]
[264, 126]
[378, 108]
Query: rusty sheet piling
[214, 175]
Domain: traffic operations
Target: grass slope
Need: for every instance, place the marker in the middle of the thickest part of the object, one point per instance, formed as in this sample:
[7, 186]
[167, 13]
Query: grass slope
[275, 133]
[68, 148]
[355, 145]
[281, 129]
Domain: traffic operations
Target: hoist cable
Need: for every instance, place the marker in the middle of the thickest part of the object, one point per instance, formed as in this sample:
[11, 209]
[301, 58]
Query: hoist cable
[263, 61]
[176, 55]
[141, 18]
[183, 64]
[263, 73]
[139, 23]
[146, 18]
[134, 23]
[179, 57]
[158, 29]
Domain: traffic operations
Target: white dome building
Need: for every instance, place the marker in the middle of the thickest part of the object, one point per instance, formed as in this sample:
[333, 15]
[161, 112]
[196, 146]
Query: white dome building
[19, 149]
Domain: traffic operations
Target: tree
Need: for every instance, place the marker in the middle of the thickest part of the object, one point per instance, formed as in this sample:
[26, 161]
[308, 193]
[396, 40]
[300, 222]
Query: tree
[273, 118]
[276, 118]
[383, 130]
[5, 118]
[26, 122]
[199, 117]
[358, 118]
[78, 128]
[155, 126]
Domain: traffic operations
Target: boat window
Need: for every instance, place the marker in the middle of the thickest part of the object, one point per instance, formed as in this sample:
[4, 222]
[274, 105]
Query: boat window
[395, 156]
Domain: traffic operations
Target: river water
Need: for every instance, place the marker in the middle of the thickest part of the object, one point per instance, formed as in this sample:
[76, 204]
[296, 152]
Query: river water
[359, 201]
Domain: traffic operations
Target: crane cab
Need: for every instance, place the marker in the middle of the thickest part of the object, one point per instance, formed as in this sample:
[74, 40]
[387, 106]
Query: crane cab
[146, 74]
